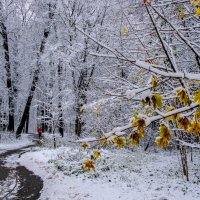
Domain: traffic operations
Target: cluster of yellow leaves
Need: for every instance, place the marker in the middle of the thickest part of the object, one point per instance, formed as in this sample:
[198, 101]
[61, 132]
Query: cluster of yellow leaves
[196, 3]
[89, 165]
[197, 96]
[183, 97]
[135, 137]
[120, 142]
[192, 126]
[155, 100]
[165, 136]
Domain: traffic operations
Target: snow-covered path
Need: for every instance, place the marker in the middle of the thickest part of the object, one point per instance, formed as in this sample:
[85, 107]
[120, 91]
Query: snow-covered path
[16, 181]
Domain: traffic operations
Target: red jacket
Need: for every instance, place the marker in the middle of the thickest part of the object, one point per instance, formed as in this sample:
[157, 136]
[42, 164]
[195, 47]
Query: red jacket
[39, 130]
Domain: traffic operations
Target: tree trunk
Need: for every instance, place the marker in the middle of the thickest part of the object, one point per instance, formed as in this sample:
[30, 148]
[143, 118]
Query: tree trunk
[60, 118]
[35, 75]
[78, 125]
[9, 83]
[27, 124]
[28, 104]
[184, 161]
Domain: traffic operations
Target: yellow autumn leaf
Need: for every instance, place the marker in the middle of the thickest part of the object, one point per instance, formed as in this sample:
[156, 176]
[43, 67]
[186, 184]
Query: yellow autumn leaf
[89, 165]
[141, 132]
[197, 11]
[157, 101]
[125, 31]
[194, 128]
[183, 97]
[197, 115]
[197, 96]
[165, 132]
[139, 123]
[165, 136]
[195, 2]
[103, 140]
[159, 141]
[154, 82]
[134, 138]
[85, 146]
[183, 122]
[162, 142]
[120, 142]
[146, 101]
[97, 154]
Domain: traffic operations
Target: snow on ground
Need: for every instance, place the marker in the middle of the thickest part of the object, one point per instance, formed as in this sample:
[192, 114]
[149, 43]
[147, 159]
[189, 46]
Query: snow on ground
[9, 142]
[120, 174]
[9, 187]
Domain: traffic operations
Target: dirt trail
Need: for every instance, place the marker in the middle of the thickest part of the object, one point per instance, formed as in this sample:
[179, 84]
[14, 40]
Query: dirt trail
[30, 185]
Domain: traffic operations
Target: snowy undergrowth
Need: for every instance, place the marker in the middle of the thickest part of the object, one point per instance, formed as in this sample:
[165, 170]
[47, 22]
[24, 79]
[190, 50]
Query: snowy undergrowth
[8, 141]
[120, 174]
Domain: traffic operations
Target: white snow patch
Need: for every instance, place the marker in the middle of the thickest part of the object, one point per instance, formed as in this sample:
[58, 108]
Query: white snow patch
[120, 174]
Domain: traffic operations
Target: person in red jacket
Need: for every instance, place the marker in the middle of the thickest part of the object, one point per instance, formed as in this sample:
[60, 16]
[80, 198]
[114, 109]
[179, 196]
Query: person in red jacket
[39, 130]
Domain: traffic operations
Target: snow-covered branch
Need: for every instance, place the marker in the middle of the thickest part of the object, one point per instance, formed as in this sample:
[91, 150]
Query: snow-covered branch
[142, 64]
